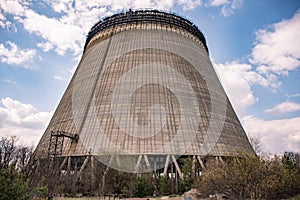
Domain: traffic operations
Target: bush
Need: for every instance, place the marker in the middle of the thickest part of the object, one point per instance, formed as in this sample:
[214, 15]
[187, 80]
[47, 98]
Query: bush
[250, 177]
[163, 186]
[143, 186]
[13, 185]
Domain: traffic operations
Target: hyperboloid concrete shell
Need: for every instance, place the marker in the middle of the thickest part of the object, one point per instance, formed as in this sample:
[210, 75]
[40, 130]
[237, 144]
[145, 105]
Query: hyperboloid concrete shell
[145, 88]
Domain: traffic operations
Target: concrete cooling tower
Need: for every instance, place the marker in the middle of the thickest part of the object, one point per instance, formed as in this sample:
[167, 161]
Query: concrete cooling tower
[144, 96]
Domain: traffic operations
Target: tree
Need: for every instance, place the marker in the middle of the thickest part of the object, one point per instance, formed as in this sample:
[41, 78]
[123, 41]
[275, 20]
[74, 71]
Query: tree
[291, 161]
[256, 145]
[250, 177]
[23, 154]
[41, 190]
[13, 185]
[7, 151]
[13, 161]
[143, 186]
[11, 153]
[188, 173]
[163, 186]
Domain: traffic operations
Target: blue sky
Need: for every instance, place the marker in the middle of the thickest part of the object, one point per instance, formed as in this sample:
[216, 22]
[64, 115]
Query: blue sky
[254, 46]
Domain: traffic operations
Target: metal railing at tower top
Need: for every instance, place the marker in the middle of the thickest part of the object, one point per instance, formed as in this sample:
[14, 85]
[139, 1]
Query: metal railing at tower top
[146, 16]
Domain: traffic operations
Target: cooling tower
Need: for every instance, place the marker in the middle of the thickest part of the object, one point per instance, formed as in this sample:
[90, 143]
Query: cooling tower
[144, 94]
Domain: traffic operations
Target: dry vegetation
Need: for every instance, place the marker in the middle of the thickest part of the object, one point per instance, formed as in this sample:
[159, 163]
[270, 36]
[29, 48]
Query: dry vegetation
[245, 177]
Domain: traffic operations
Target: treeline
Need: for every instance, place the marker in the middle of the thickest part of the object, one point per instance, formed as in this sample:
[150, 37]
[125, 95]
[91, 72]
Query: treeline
[13, 162]
[252, 177]
[244, 177]
[150, 184]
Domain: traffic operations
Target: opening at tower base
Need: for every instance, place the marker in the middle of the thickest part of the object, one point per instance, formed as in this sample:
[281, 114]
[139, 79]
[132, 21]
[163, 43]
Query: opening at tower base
[143, 98]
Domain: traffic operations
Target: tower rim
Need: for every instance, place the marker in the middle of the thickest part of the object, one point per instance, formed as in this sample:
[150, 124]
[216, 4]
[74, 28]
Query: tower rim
[145, 16]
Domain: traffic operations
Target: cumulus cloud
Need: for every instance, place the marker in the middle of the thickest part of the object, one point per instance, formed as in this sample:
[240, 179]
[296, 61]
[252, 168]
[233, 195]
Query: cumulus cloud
[277, 47]
[237, 79]
[64, 36]
[12, 54]
[236, 85]
[228, 7]
[45, 46]
[68, 32]
[284, 107]
[2, 17]
[22, 120]
[274, 54]
[189, 4]
[6, 24]
[12, 6]
[218, 2]
[276, 136]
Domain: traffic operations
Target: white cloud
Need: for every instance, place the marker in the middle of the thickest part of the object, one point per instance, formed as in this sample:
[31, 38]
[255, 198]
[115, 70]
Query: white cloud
[230, 7]
[61, 5]
[2, 17]
[45, 46]
[277, 48]
[63, 36]
[237, 79]
[236, 86]
[284, 107]
[6, 24]
[276, 136]
[72, 69]
[189, 4]
[67, 33]
[218, 2]
[12, 6]
[9, 81]
[22, 120]
[293, 95]
[14, 55]
[276, 52]
[116, 5]
[58, 77]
